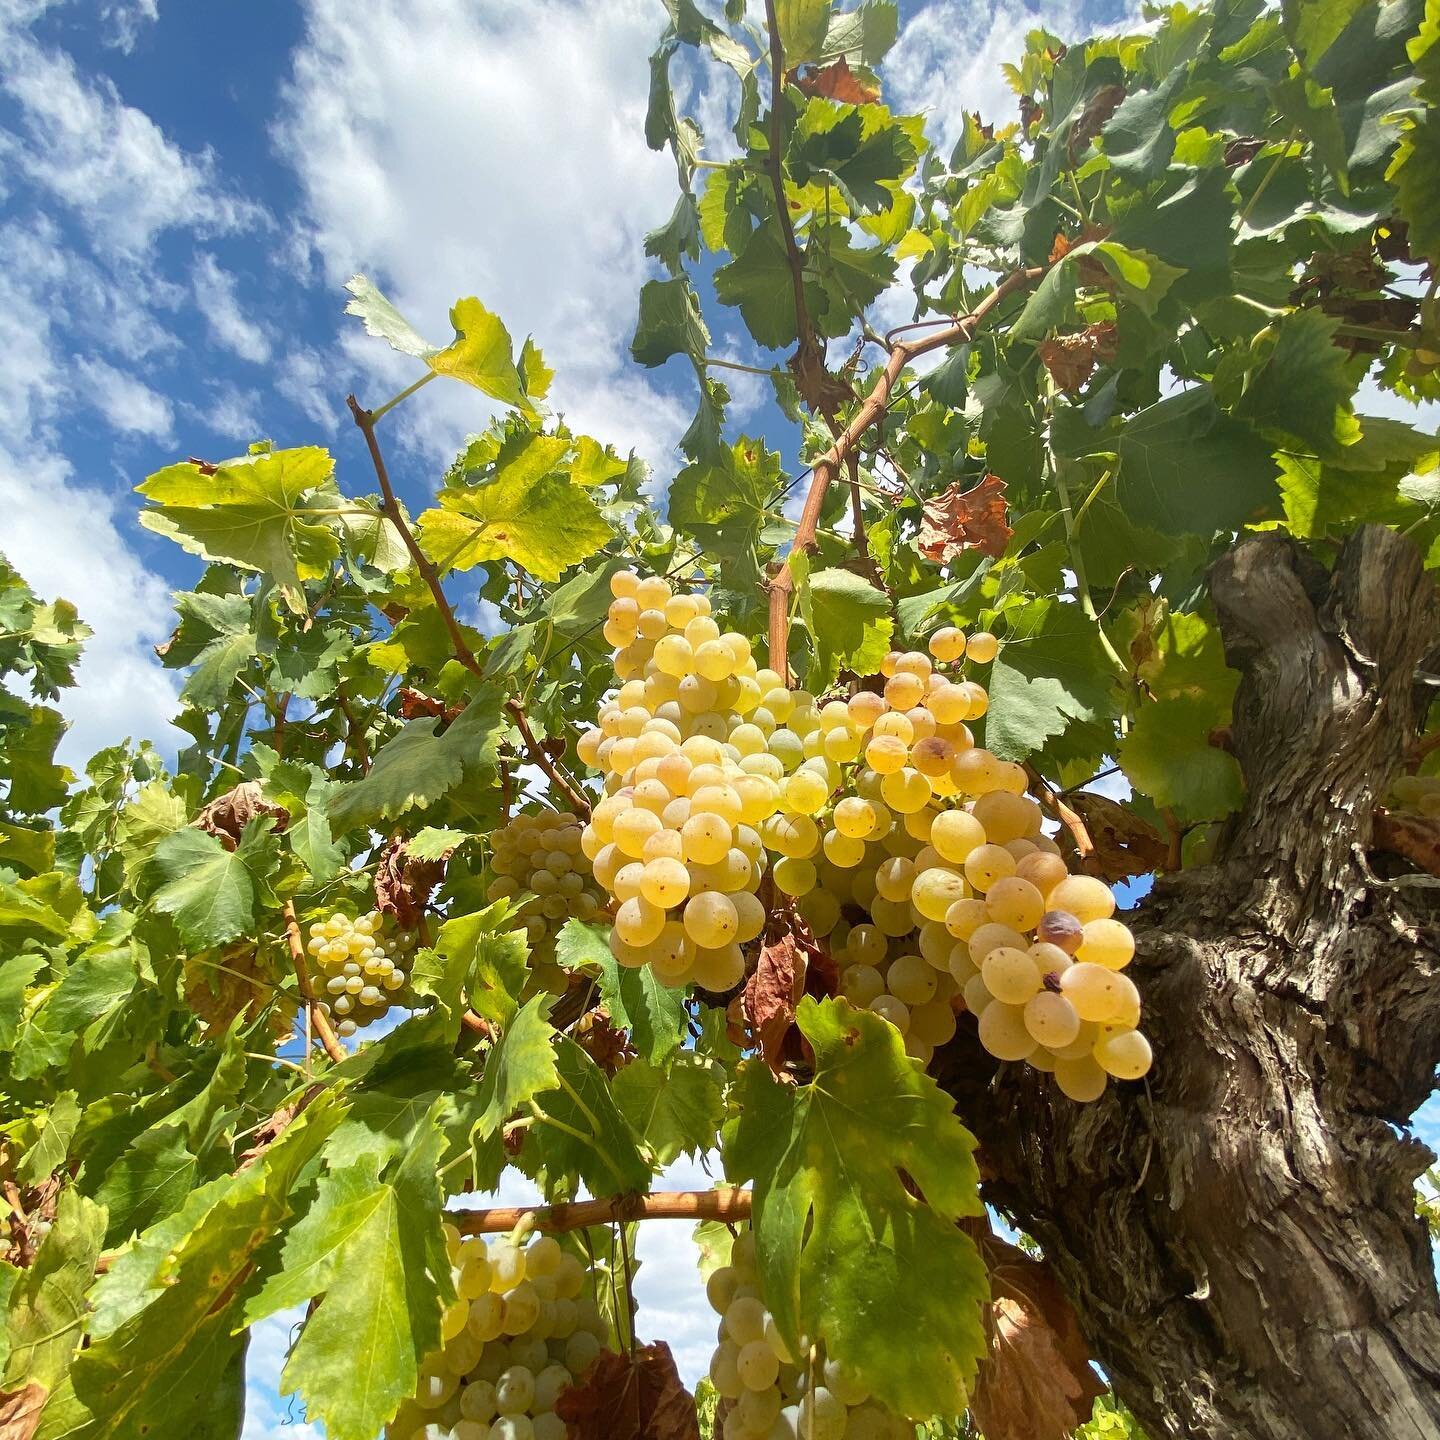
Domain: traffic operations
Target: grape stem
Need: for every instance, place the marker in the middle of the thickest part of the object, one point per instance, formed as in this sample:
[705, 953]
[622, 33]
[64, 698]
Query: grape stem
[825, 469]
[319, 1021]
[730, 1206]
[365, 420]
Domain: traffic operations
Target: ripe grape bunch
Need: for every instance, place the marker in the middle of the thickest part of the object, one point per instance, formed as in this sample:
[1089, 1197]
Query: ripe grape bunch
[358, 958]
[691, 779]
[520, 1331]
[1418, 794]
[537, 861]
[768, 1393]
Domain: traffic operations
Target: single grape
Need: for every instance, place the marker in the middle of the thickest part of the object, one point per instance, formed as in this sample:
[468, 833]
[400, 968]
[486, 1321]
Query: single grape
[1126, 1055]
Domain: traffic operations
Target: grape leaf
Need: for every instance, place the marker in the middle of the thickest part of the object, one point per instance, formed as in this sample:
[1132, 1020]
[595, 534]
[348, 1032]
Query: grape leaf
[723, 504]
[371, 1245]
[252, 512]
[1050, 670]
[489, 963]
[209, 891]
[848, 620]
[520, 1067]
[675, 1109]
[1168, 756]
[418, 767]
[541, 521]
[1301, 387]
[840, 1238]
[482, 353]
[165, 1361]
[803, 26]
[17, 972]
[53, 1144]
[653, 1012]
[670, 324]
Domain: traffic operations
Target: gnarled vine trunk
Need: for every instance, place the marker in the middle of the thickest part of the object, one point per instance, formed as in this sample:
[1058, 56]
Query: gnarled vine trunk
[1239, 1235]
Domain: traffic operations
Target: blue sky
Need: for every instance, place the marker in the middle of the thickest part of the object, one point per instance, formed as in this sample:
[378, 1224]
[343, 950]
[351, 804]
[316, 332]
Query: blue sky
[186, 184]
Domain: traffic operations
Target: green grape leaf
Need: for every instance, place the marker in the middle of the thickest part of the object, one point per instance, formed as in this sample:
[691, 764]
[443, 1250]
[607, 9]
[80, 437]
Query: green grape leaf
[803, 26]
[543, 521]
[1187, 467]
[588, 1138]
[520, 1067]
[25, 848]
[863, 35]
[50, 1149]
[37, 783]
[636, 1000]
[724, 504]
[17, 973]
[372, 1246]
[1051, 670]
[435, 843]
[1301, 387]
[482, 353]
[1415, 172]
[211, 892]
[841, 1239]
[165, 1361]
[46, 1312]
[1139, 138]
[862, 151]
[1168, 756]
[758, 282]
[488, 963]
[676, 1109]
[148, 1182]
[309, 832]
[848, 620]
[252, 512]
[670, 323]
[418, 767]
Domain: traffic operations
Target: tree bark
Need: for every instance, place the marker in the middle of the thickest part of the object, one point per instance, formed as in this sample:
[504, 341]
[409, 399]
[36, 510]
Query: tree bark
[1238, 1233]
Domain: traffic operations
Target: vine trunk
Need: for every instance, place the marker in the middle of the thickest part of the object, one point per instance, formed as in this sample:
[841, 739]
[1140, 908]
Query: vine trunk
[1239, 1236]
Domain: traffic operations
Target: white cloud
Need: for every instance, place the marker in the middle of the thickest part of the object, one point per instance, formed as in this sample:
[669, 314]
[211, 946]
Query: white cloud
[228, 323]
[109, 162]
[64, 539]
[452, 150]
[231, 412]
[312, 385]
[128, 404]
[125, 19]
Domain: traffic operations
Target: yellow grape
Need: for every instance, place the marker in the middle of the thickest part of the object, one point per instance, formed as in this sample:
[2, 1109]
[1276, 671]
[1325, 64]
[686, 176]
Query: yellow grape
[711, 920]
[935, 890]
[986, 864]
[843, 850]
[896, 1011]
[1098, 994]
[982, 647]
[911, 979]
[1106, 942]
[638, 922]
[1006, 816]
[904, 690]
[989, 936]
[718, 969]
[860, 984]
[1125, 1055]
[706, 838]
[1015, 902]
[1010, 975]
[1003, 1033]
[1042, 869]
[794, 876]
[1085, 897]
[1081, 1079]
[977, 998]
[947, 644]
[665, 883]
[1051, 1019]
[894, 877]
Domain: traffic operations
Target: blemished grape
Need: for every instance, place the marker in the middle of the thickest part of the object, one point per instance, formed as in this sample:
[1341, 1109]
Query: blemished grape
[1003, 1032]
[1010, 974]
[1059, 927]
[1098, 994]
[1106, 942]
[1051, 1019]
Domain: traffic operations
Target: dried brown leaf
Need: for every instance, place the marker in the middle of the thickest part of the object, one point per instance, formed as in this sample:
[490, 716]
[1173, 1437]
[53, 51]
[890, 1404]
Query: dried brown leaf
[403, 884]
[1415, 838]
[973, 519]
[1125, 843]
[839, 82]
[416, 705]
[1038, 1383]
[772, 994]
[630, 1397]
[218, 988]
[1071, 359]
[227, 816]
[20, 1411]
[1103, 104]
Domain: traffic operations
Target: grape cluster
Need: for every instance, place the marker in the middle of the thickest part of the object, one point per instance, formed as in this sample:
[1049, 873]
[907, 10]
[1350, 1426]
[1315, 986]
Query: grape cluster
[691, 786]
[1417, 793]
[766, 1392]
[519, 1333]
[358, 959]
[538, 862]
[916, 853]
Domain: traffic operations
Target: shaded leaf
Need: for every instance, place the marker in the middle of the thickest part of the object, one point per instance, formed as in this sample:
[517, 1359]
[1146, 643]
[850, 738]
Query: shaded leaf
[630, 1397]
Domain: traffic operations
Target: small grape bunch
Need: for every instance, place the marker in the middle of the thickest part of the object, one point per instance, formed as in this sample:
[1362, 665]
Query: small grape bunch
[538, 863]
[1419, 794]
[358, 961]
[522, 1329]
[769, 1393]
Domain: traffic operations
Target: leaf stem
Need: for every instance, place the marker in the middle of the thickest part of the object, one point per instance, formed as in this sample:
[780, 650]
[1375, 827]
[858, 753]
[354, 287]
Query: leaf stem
[405, 394]
[712, 360]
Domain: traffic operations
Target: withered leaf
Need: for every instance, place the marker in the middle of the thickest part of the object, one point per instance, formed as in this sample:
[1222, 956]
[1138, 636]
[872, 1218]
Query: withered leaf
[973, 519]
[773, 992]
[838, 81]
[630, 1397]
[227, 815]
[403, 884]
[1125, 843]
[20, 1411]
[1070, 359]
[1038, 1383]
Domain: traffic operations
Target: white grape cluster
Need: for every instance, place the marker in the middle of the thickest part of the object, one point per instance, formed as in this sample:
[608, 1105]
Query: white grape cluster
[358, 960]
[766, 1392]
[520, 1332]
[679, 838]
[1417, 793]
[537, 861]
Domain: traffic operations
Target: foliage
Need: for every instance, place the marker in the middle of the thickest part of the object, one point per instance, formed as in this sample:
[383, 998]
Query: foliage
[1214, 225]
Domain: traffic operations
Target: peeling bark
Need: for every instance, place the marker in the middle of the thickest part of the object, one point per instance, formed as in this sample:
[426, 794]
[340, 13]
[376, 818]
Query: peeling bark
[1238, 1233]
